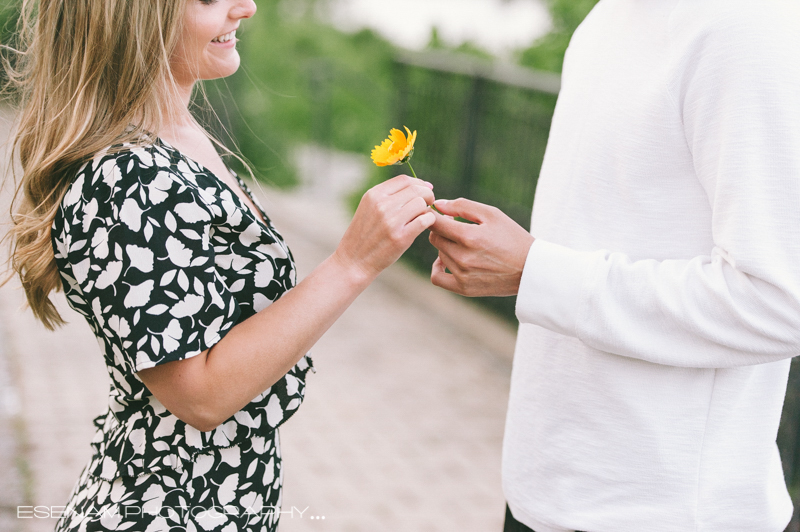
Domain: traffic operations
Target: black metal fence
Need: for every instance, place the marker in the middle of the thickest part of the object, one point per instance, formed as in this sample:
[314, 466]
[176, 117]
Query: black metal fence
[483, 130]
[789, 441]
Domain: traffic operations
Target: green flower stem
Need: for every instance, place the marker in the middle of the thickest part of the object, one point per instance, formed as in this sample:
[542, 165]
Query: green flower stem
[412, 169]
[415, 176]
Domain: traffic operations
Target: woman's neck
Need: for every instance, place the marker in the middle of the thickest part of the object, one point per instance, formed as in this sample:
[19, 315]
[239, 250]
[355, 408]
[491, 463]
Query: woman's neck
[176, 115]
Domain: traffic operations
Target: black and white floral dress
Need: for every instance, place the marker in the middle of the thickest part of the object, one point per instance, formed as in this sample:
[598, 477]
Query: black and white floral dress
[163, 259]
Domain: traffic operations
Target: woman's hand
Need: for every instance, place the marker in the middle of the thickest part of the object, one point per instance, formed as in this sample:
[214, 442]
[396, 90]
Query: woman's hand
[388, 219]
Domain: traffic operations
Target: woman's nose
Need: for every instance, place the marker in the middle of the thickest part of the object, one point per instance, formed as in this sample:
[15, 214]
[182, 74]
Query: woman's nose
[244, 9]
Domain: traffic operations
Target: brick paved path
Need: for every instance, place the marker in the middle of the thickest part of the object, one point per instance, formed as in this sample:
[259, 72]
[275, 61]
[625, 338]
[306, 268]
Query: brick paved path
[401, 430]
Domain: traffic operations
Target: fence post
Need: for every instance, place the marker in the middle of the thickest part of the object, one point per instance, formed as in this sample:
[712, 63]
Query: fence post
[470, 137]
[319, 78]
[400, 71]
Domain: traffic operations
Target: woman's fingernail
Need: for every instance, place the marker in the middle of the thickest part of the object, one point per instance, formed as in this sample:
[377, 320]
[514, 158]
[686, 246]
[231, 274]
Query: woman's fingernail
[441, 202]
[429, 185]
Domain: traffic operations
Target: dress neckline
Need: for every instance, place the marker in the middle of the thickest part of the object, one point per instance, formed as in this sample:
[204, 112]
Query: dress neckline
[262, 219]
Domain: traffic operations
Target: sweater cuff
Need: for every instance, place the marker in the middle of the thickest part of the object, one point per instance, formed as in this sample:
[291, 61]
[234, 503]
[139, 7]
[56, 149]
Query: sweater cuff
[552, 283]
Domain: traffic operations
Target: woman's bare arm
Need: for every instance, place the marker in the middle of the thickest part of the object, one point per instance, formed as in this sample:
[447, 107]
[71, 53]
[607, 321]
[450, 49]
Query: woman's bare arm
[207, 389]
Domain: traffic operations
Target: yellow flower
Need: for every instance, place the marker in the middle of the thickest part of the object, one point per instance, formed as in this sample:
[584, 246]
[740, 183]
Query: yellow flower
[397, 149]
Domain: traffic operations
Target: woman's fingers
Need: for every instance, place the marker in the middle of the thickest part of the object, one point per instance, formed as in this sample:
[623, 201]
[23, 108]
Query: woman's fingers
[414, 209]
[419, 224]
[403, 207]
[409, 193]
[388, 219]
[408, 222]
[380, 203]
[409, 200]
[388, 206]
[397, 183]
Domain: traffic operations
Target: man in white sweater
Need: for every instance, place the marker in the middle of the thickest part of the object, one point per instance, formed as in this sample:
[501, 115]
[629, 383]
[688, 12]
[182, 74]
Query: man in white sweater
[659, 303]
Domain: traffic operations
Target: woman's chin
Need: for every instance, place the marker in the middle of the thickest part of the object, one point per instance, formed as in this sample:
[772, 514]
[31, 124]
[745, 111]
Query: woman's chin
[221, 69]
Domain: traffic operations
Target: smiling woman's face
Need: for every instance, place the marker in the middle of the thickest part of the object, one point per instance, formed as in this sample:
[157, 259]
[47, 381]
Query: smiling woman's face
[207, 48]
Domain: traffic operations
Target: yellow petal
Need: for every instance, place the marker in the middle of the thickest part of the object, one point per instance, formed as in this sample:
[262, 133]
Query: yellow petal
[381, 153]
[397, 136]
[395, 158]
[398, 140]
[409, 147]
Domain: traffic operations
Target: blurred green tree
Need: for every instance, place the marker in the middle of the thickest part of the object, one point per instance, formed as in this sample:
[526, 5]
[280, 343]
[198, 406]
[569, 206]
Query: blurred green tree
[547, 53]
[9, 15]
[302, 81]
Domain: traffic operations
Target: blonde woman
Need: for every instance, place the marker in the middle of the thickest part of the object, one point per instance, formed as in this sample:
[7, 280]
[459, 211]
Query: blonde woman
[126, 205]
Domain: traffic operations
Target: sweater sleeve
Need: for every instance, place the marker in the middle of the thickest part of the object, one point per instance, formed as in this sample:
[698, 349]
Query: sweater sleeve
[739, 304]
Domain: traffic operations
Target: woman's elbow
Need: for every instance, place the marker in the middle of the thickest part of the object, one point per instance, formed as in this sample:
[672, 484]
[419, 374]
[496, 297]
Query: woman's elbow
[182, 389]
[202, 423]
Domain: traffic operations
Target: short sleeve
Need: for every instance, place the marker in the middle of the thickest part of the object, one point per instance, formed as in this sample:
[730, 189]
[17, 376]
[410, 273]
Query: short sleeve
[145, 265]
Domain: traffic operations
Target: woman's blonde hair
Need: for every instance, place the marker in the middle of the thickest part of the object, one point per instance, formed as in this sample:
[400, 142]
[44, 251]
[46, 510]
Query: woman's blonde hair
[87, 74]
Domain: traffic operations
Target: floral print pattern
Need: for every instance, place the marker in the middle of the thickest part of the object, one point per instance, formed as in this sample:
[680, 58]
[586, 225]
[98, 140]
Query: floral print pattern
[163, 259]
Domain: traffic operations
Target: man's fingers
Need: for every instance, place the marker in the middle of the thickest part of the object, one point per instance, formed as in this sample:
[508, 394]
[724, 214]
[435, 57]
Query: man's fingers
[464, 208]
[438, 268]
[452, 265]
[442, 279]
[448, 250]
[444, 245]
[452, 230]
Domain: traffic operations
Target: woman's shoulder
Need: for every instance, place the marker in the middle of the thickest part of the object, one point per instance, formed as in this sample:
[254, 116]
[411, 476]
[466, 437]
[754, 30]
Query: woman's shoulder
[131, 176]
[122, 164]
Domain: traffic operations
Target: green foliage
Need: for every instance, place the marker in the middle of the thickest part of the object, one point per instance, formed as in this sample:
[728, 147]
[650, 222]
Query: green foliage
[301, 81]
[9, 15]
[467, 47]
[568, 14]
[547, 53]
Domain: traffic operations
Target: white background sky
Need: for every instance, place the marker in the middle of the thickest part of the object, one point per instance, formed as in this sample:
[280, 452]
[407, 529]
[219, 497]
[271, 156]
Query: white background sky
[495, 25]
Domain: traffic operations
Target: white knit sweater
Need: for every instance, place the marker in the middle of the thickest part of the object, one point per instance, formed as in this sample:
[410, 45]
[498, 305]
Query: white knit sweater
[660, 303]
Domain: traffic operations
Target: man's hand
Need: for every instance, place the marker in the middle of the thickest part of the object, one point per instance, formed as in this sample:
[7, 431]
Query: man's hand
[481, 259]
